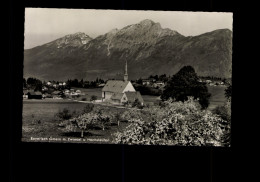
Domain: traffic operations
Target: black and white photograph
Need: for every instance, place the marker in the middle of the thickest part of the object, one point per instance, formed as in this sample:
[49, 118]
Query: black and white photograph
[129, 77]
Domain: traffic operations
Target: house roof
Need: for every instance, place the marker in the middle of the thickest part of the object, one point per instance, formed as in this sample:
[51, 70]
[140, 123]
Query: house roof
[131, 96]
[116, 86]
[56, 92]
[34, 93]
[117, 96]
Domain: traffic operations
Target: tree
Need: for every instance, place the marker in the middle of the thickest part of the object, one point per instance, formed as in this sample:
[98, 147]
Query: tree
[34, 83]
[102, 118]
[186, 83]
[24, 83]
[93, 98]
[88, 108]
[117, 118]
[228, 92]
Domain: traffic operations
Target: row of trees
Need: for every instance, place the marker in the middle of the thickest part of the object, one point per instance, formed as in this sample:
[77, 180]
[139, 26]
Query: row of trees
[85, 84]
[164, 78]
[144, 90]
[32, 83]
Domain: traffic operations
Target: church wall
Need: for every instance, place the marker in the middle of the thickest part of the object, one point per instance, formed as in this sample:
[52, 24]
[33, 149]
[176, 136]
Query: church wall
[123, 99]
[107, 95]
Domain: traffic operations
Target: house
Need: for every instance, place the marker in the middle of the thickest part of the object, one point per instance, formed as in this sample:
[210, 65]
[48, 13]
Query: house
[44, 88]
[66, 92]
[78, 92]
[34, 95]
[56, 93]
[101, 85]
[115, 91]
[208, 81]
[158, 84]
[146, 82]
[113, 87]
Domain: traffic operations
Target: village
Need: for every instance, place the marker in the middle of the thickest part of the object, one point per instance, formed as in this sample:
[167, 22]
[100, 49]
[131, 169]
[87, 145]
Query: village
[61, 90]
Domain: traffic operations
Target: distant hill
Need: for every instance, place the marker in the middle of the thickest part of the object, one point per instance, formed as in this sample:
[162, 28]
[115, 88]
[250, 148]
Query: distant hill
[148, 49]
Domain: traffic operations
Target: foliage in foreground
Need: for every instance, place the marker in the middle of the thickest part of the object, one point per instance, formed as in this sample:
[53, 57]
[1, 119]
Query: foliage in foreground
[177, 123]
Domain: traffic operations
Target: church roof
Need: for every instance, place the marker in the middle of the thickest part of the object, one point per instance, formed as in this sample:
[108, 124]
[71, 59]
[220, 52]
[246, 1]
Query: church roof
[117, 96]
[116, 86]
[131, 96]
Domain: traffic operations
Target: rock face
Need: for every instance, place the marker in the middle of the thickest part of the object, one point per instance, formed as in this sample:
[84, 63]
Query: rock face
[148, 49]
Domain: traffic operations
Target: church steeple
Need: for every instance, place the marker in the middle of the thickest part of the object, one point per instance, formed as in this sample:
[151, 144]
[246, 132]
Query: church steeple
[125, 75]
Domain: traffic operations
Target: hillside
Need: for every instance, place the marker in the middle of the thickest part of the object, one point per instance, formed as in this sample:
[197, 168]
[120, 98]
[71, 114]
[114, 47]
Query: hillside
[148, 48]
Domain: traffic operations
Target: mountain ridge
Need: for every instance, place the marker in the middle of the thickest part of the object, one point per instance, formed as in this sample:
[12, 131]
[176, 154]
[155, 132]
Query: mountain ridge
[148, 48]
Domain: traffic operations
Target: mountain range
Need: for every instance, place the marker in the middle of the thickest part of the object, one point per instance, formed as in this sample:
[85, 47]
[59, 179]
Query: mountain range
[148, 48]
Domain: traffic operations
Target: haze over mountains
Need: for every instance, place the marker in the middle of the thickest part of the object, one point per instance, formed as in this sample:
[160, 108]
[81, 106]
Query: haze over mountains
[148, 48]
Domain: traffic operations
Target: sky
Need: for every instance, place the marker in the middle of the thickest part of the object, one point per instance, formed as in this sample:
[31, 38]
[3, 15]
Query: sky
[43, 25]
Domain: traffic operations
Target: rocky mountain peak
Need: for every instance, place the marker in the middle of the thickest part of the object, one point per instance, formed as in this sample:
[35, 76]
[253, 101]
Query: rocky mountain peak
[146, 22]
[74, 40]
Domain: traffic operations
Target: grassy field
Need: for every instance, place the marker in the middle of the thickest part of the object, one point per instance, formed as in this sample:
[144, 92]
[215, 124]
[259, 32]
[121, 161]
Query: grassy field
[217, 96]
[40, 123]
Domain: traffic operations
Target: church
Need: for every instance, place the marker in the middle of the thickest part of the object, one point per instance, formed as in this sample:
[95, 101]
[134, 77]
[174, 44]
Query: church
[120, 91]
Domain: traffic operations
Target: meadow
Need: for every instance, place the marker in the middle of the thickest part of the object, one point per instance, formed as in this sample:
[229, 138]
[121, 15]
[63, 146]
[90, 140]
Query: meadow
[39, 121]
[217, 96]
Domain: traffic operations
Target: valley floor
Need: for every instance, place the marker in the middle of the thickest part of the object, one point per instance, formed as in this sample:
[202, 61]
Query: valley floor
[40, 123]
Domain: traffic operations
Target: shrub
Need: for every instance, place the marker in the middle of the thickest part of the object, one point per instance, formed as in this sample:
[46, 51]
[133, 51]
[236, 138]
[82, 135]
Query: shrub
[224, 111]
[137, 104]
[65, 114]
[88, 108]
[177, 124]
[93, 98]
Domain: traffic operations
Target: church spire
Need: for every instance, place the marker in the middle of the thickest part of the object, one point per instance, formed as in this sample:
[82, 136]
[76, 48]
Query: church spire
[125, 75]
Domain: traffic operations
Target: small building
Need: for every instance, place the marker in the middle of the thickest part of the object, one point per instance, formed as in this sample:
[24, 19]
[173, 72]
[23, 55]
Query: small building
[34, 95]
[56, 92]
[113, 87]
[146, 82]
[78, 92]
[208, 81]
[158, 84]
[66, 92]
[101, 85]
[115, 91]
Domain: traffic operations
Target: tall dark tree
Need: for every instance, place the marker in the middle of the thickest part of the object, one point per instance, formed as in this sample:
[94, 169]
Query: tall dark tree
[186, 83]
[24, 83]
[228, 92]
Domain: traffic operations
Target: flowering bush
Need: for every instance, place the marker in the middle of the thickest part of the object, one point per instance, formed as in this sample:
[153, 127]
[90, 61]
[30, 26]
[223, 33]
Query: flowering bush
[177, 123]
[85, 122]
